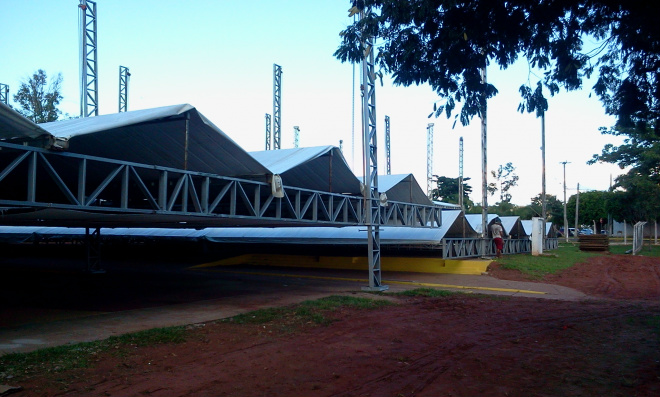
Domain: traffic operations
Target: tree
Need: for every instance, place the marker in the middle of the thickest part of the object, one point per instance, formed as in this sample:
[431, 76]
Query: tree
[448, 43]
[505, 179]
[554, 209]
[640, 201]
[447, 190]
[593, 207]
[37, 102]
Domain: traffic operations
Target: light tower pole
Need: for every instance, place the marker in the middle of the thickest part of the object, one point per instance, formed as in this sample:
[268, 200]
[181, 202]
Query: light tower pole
[89, 94]
[124, 76]
[277, 106]
[371, 196]
[429, 159]
[296, 136]
[388, 159]
[268, 137]
[4, 93]
[460, 173]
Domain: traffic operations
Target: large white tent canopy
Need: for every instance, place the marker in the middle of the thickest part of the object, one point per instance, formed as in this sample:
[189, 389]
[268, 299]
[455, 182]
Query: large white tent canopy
[176, 136]
[317, 168]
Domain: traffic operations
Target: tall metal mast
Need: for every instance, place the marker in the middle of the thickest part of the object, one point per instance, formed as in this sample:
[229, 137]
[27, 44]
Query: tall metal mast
[460, 173]
[277, 106]
[296, 136]
[429, 159]
[4, 93]
[268, 137]
[124, 75]
[89, 95]
[371, 196]
[388, 158]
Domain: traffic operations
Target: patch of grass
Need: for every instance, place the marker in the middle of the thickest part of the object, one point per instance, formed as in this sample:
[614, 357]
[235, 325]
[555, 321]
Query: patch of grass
[567, 255]
[307, 311]
[427, 292]
[555, 261]
[62, 358]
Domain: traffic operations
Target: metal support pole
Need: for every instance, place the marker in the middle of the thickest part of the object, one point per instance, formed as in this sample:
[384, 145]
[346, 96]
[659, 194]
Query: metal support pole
[89, 95]
[268, 136]
[371, 196]
[93, 251]
[388, 158]
[4, 93]
[277, 106]
[484, 171]
[460, 174]
[296, 136]
[543, 196]
[124, 76]
[429, 159]
[565, 218]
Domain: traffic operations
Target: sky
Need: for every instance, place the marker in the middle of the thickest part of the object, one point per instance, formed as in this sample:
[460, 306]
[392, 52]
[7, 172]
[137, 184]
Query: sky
[218, 56]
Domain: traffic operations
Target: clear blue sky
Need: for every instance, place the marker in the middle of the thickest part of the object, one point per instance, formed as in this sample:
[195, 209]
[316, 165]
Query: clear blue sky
[218, 56]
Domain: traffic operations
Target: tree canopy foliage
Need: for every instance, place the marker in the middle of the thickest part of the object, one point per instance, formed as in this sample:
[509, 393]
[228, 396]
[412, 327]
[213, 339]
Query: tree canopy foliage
[447, 190]
[37, 99]
[505, 179]
[447, 44]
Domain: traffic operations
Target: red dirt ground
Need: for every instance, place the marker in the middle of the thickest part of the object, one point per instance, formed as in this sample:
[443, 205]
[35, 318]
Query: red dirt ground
[461, 345]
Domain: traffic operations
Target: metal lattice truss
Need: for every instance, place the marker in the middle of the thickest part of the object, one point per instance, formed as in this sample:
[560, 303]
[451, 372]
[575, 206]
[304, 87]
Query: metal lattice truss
[268, 136]
[4, 93]
[474, 247]
[277, 107]
[89, 64]
[124, 76]
[41, 187]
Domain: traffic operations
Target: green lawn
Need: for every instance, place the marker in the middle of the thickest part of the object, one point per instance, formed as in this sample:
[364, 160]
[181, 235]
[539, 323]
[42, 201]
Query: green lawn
[564, 257]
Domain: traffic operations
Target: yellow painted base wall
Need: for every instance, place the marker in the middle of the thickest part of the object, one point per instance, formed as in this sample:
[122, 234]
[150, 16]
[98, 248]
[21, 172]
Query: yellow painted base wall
[390, 264]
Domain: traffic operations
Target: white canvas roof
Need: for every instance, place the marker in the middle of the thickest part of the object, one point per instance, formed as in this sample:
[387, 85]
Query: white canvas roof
[317, 168]
[158, 137]
[402, 187]
[476, 221]
[527, 225]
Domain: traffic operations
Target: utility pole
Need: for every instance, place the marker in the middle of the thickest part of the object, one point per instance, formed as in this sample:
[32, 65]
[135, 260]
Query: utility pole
[296, 136]
[543, 197]
[484, 170]
[124, 76]
[89, 94]
[371, 196]
[388, 158]
[4, 93]
[277, 106]
[577, 209]
[429, 159]
[565, 218]
[268, 138]
[460, 173]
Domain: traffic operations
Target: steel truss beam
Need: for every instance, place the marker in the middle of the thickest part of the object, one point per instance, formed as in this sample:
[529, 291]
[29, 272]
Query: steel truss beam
[34, 178]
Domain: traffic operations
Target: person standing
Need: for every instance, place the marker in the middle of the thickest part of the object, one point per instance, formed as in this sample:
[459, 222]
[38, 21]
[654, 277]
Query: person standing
[497, 231]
